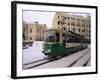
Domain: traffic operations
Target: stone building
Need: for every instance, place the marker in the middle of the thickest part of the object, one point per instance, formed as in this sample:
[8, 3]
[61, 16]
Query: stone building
[33, 31]
[76, 23]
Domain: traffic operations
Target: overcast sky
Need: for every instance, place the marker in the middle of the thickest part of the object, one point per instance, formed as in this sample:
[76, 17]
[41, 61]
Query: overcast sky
[42, 17]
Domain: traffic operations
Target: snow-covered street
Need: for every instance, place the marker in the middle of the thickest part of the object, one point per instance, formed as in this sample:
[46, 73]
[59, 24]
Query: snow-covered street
[34, 53]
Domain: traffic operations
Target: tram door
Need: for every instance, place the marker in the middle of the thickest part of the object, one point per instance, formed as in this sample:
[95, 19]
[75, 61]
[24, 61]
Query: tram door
[64, 39]
[57, 37]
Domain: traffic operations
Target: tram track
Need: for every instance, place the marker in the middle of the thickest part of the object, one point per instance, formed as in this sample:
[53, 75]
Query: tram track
[34, 63]
[85, 64]
[40, 64]
[77, 60]
[37, 63]
[74, 62]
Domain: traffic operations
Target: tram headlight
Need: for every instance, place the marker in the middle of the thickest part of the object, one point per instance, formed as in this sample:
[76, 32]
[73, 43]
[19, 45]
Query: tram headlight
[49, 50]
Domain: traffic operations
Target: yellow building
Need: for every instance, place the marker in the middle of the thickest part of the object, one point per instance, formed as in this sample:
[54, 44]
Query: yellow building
[76, 23]
[33, 31]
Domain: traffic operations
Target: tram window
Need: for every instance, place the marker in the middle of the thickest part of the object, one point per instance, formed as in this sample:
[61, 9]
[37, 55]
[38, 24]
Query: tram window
[51, 39]
[72, 39]
[69, 40]
[57, 37]
[64, 37]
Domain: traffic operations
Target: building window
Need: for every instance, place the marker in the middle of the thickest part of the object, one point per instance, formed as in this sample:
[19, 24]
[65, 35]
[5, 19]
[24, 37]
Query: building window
[89, 26]
[74, 29]
[72, 18]
[86, 21]
[72, 24]
[68, 18]
[78, 24]
[89, 35]
[30, 30]
[58, 16]
[78, 19]
[83, 20]
[38, 30]
[83, 30]
[83, 25]
[30, 38]
[68, 29]
[68, 23]
[58, 22]
[79, 30]
[63, 17]
[64, 28]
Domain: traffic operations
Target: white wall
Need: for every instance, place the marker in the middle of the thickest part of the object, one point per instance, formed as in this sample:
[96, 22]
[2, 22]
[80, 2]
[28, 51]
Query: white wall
[5, 40]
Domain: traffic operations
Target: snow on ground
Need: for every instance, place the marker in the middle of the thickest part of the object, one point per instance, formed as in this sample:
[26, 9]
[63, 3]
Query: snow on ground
[82, 61]
[89, 63]
[33, 53]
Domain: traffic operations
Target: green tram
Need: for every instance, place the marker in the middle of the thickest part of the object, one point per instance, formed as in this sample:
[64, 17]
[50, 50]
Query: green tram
[59, 43]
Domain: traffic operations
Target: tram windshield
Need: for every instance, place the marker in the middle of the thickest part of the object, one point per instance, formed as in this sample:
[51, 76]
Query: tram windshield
[49, 36]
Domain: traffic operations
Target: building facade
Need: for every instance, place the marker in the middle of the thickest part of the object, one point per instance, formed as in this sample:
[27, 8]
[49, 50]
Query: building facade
[33, 31]
[75, 23]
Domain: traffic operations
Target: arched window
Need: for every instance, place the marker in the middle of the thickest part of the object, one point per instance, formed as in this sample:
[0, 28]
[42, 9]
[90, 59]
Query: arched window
[30, 30]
